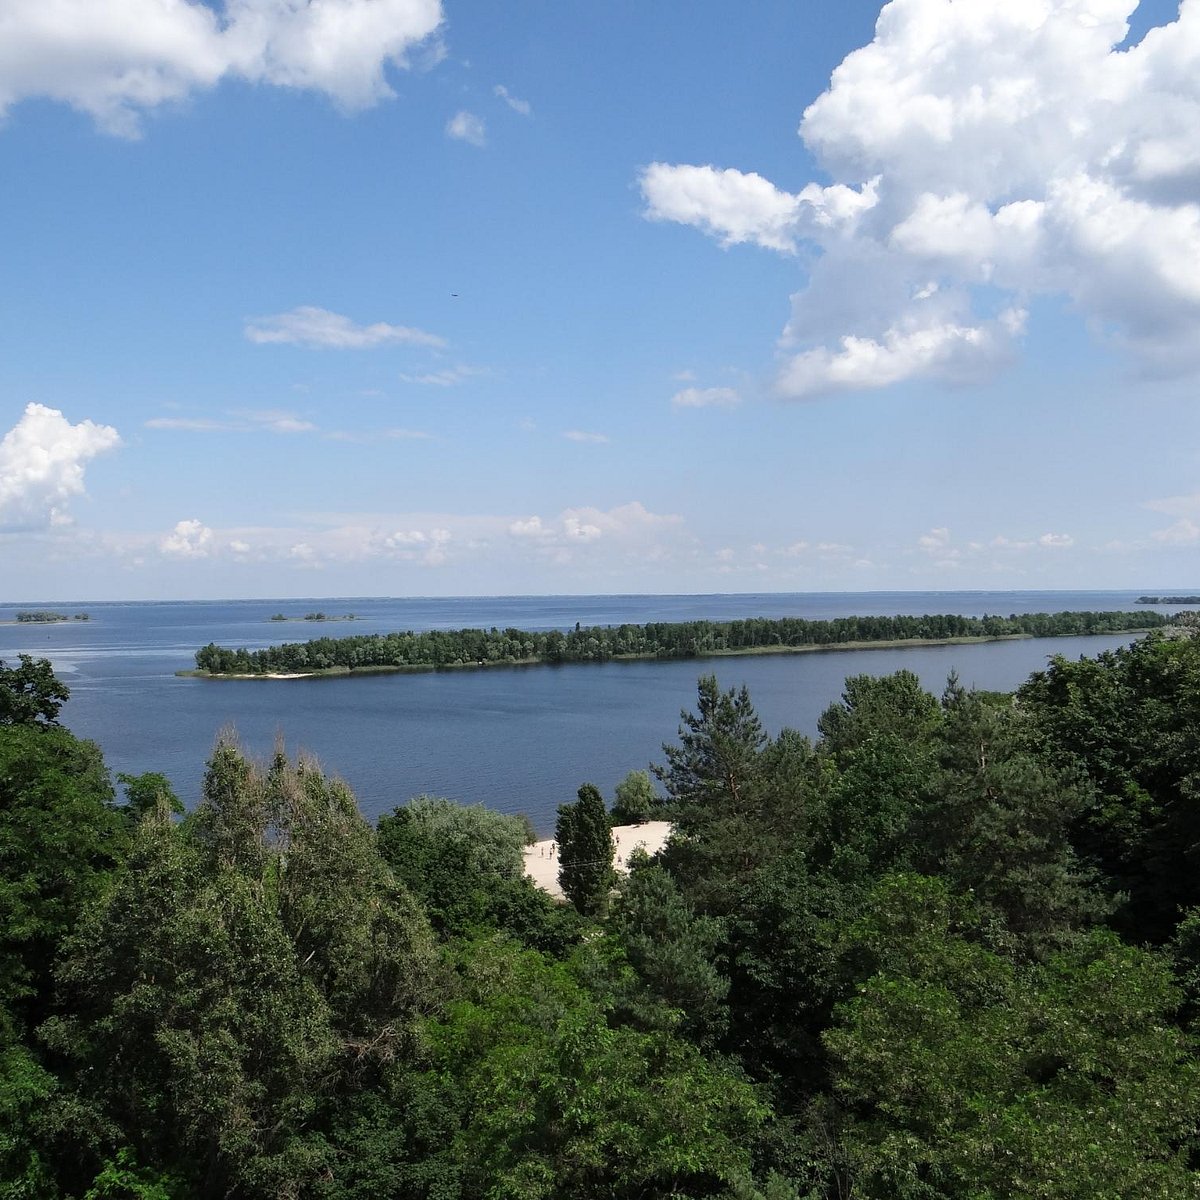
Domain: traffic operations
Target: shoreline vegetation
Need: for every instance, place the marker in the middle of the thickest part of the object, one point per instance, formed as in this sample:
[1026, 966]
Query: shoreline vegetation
[1168, 600]
[473, 649]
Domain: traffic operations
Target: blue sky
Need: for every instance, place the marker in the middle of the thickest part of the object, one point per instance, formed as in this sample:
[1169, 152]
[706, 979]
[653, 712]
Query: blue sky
[360, 297]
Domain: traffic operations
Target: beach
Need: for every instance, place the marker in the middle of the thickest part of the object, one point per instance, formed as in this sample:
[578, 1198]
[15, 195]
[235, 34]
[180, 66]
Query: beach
[541, 858]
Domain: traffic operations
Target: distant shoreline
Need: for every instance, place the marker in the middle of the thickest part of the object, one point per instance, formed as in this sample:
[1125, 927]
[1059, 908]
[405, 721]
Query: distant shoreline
[747, 652]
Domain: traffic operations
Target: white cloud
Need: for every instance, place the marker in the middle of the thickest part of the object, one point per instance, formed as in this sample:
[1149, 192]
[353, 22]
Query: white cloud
[532, 527]
[417, 545]
[732, 206]
[273, 420]
[467, 127]
[581, 435]
[1056, 541]
[449, 377]
[318, 328]
[580, 530]
[279, 421]
[943, 350]
[118, 59]
[982, 154]
[627, 524]
[1184, 532]
[189, 539]
[520, 106]
[188, 424]
[935, 541]
[714, 397]
[42, 465]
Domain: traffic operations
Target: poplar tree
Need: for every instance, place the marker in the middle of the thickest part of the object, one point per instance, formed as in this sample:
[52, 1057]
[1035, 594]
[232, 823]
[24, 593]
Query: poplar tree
[585, 851]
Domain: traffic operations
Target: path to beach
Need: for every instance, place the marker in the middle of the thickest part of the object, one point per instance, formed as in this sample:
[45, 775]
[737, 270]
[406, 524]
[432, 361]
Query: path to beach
[541, 859]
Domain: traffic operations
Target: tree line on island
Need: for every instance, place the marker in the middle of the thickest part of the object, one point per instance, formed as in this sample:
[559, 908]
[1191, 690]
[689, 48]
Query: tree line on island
[948, 950]
[439, 649]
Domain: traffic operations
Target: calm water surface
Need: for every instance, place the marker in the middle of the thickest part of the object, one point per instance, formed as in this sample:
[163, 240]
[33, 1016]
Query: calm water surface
[518, 739]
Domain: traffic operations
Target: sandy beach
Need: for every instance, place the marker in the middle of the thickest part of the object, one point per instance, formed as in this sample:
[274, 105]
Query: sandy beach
[541, 859]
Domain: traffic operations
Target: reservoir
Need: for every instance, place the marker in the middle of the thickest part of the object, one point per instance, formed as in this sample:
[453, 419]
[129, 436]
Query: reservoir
[518, 739]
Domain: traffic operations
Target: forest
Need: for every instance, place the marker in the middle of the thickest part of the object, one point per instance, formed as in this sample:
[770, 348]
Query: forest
[948, 949]
[440, 649]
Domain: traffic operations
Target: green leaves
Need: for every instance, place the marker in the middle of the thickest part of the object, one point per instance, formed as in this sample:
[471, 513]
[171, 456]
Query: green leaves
[29, 692]
[964, 1075]
[585, 852]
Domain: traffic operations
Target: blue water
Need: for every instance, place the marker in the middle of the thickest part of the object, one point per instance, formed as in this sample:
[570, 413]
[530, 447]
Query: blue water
[518, 739]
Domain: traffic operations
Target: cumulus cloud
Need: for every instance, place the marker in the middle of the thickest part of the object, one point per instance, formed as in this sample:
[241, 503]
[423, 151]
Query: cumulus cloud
[42, 462]
[582, 435]
[119, 59]
[419, 545]
[624, 525]
[532, 527]
[189, 539]
[318, 328]
[982, 155]
[714, 397]
[519, 106]
[467, 127]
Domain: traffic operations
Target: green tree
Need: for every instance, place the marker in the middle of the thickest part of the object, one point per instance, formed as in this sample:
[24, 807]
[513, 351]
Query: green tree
[673, 953]
[60, 839]
[585, 851]
[29, 692]
[1126, 724]
[555, 1102]
[465, 864]
[997, 824]
[961, 1074]
[251, 967]
[635, 800]
[715, 762]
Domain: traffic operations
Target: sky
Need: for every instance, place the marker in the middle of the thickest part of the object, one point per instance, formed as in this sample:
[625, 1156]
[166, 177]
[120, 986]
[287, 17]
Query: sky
[451, 297]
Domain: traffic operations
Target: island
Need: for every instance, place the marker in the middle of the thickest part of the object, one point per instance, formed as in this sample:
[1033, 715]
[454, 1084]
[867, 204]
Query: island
[1168, 599]
[438, 650]
[313, 616]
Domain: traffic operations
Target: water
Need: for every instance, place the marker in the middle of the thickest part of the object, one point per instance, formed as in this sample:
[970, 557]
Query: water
[518, 739]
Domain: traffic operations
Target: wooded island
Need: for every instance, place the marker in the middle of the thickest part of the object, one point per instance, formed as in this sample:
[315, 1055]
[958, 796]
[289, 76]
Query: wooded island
[438, 649]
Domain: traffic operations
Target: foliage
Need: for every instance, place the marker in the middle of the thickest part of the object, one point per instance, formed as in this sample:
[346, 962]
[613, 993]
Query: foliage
[557, 1103]
[673, 954]
[442, 648]
[247, 962]
[884, 965]
[1125, 723]
[585, 852]
[29, 692]
[961, 1074]
[60, 838]
[635, 801]
[465, 865]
